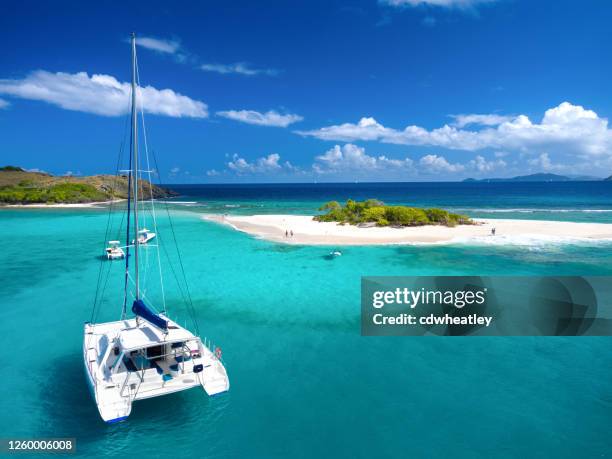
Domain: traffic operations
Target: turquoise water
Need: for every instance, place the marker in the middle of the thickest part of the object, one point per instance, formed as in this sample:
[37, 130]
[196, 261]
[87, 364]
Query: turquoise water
[304, 382]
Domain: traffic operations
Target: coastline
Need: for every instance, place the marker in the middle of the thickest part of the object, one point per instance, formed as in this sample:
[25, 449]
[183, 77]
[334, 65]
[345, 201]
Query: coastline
[306, 231]
[75, 205]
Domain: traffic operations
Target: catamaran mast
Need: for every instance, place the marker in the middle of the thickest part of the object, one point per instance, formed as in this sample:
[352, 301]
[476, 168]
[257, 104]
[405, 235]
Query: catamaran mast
[135, 164]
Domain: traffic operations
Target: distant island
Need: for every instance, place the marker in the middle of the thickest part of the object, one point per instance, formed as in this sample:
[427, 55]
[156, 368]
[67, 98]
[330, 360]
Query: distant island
[540, 178]
[18, 186]
[377, 213]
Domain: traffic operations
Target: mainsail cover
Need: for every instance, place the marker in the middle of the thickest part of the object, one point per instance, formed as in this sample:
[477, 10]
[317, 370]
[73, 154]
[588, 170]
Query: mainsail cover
[142, 310]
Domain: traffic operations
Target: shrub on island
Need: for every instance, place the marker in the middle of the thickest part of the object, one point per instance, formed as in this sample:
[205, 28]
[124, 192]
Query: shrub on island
[59, 193]
[375, 211]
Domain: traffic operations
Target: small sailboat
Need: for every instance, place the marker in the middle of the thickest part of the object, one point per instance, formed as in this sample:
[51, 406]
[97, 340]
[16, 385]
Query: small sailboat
[114, 251]
[144, 354]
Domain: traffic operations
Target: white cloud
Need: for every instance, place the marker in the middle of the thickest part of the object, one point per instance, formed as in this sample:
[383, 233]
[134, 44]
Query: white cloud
[480, 164]
[270, 118]
[483, 120]
[566, 128]
[543, 163]
[440, 3]
[265, 164]
[99, 94]
[436, 164]
[4, 104]
[366, 129]
[240, 68]
[351, 158]
[159, 44]
[350, 161]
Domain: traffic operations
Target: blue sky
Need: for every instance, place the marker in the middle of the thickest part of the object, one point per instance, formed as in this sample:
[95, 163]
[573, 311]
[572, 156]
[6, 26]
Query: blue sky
[393, 90]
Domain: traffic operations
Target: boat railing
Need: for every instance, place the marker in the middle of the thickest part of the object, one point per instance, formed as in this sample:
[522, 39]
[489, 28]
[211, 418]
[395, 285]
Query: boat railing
[185, 349]
[127, 377]
[208, 344]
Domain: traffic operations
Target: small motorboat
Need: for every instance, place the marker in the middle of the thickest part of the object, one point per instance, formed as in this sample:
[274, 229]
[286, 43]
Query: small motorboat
[144, 236]
[333, 254]
[114, 251]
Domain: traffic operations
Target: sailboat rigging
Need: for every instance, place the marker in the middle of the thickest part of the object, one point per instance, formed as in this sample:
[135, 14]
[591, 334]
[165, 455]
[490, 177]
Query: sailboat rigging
[147, 355]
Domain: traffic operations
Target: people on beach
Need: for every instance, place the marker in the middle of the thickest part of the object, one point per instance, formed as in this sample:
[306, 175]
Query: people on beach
[493, 231]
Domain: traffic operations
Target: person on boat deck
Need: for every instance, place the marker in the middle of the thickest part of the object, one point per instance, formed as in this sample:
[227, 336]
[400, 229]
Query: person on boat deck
[286, 233]
[291, 233]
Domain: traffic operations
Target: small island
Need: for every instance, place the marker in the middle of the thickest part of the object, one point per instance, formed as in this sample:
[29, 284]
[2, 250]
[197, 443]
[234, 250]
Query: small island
[309, 230]
[21, 187]
[375, 212]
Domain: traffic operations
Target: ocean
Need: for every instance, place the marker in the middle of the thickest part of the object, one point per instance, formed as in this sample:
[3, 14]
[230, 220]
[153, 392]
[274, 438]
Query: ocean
[304, 383]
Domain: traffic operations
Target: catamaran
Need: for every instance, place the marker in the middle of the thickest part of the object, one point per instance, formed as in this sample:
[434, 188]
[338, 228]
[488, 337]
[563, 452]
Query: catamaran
[114, 250]
[147, 354]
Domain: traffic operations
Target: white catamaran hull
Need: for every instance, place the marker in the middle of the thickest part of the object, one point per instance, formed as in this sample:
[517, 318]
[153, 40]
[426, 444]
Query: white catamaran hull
[118, 375]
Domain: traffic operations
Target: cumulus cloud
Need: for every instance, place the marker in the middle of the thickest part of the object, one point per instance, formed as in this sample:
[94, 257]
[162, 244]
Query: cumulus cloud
[351, 161]
[99, 94]
[566, 128]
[483, 120]
[270, 118]
[543, 163]
[351, 158]
[435, 163]
[239, 68]
[160, 45]
[439, 3]
[266, 164]
[480, 164]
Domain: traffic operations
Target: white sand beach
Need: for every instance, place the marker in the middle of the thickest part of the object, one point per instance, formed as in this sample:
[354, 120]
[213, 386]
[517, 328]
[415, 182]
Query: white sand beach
[310, 232]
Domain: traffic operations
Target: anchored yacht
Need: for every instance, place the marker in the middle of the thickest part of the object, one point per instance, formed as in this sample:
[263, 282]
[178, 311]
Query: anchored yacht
[144, 354]
[114, 251]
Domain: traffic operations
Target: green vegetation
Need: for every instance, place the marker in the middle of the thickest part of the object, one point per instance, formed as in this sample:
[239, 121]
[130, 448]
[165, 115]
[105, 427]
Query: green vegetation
[60, 193]
[11, 168]
[374, 211]
[21, 187]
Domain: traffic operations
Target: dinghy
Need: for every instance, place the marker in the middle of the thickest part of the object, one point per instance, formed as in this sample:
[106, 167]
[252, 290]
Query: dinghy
[145, 353]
